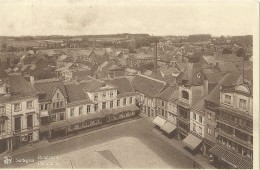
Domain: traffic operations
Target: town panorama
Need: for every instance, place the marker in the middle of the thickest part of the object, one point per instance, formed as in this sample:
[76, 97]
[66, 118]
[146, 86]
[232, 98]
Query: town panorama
[126, 101]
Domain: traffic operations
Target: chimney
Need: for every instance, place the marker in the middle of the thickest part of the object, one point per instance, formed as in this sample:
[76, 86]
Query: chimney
[155, 60]
[32, 80]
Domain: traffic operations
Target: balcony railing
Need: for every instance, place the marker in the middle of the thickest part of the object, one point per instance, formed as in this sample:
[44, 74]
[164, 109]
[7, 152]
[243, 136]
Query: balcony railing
[234, 138]
[235, 125]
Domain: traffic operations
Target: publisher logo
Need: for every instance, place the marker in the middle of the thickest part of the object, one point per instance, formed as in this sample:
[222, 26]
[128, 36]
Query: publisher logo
[7, 160]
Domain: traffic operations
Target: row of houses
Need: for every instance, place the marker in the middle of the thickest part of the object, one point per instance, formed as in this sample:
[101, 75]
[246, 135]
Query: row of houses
[212, 114]
[42, 109]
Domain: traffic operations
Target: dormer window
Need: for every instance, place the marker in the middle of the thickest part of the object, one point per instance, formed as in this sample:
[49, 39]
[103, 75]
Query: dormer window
[185, 95]
[242, 104]
[227, 99]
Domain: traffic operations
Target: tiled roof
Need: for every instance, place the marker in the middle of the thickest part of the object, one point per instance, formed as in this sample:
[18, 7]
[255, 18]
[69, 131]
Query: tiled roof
[148, 86]
[169, 71]
[171, 93]
[212, 75]
[76, 93]
[209, 59]
[199, 105]
[19, 86]
[227, 58]
[182, 65]
[229, 79]
[94, 85]
[122, 83]
[227, 67]
[114, 67]
[49, 86]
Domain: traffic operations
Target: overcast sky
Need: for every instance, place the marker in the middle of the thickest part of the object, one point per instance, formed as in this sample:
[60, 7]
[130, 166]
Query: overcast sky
[155, 18]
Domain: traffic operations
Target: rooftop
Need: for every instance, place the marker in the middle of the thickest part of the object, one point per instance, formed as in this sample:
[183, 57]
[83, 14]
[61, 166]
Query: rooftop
[147, 85]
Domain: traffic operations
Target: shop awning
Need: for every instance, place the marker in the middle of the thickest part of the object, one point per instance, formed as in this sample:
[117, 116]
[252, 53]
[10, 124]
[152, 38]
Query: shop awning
[44, 113]
[120, 110]
[82, 118]
[59, 125]
[168, 127]
[192, 141]
[159, 121]
[230, 157]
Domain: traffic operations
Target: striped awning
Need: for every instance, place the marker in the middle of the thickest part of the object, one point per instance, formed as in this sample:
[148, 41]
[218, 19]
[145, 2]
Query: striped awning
[192, 141]
[168, 127]
[230, 157]
[159, 121]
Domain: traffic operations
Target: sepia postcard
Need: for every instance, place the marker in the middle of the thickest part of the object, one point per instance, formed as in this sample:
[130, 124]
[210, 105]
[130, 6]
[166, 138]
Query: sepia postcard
[116, 84]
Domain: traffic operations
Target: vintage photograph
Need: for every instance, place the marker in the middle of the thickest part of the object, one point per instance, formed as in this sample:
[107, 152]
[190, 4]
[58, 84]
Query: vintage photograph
[121, 84]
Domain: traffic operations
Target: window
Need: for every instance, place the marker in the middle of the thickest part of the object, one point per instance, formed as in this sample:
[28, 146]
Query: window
[17, 107]
[111, 94]
[80, 110]
[103, 105]
[131, 100]
[58, 95]
[111, 104]
[162, 103]
[163, 112]
[95, 97]
[42, 106]
[62, 117]
[194, 116]
[200, 130]
[118, 103]
[185, 95]
[227, 99]
[209, 131]
[242, 104]
[53, 118]
[103, 95]
[46, 106]
[2, 109]
[194, 127]
[17, 123]
[29, 104]
[71, 112]
[30, 137]
[200, 119]
[61, 104]
[58, 105]
[29, 121]
[2, 127]
[96, 107]
[124, 102]
[209, 116]
[54, 105]
[88, 108]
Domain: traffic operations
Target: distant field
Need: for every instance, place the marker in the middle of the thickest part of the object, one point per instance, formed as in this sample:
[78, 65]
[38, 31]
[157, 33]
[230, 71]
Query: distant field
[22, 43]
[107, 39]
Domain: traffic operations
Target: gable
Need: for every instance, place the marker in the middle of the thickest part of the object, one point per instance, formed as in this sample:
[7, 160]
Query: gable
[57, 96]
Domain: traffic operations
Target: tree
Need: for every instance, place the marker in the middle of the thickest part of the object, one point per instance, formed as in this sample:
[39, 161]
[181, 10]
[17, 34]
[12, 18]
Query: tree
[241, 52]
[3, 47]
[226, 51]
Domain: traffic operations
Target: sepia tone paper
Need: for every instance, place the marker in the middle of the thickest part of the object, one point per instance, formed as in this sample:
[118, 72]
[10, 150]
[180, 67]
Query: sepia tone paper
[123, 145]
